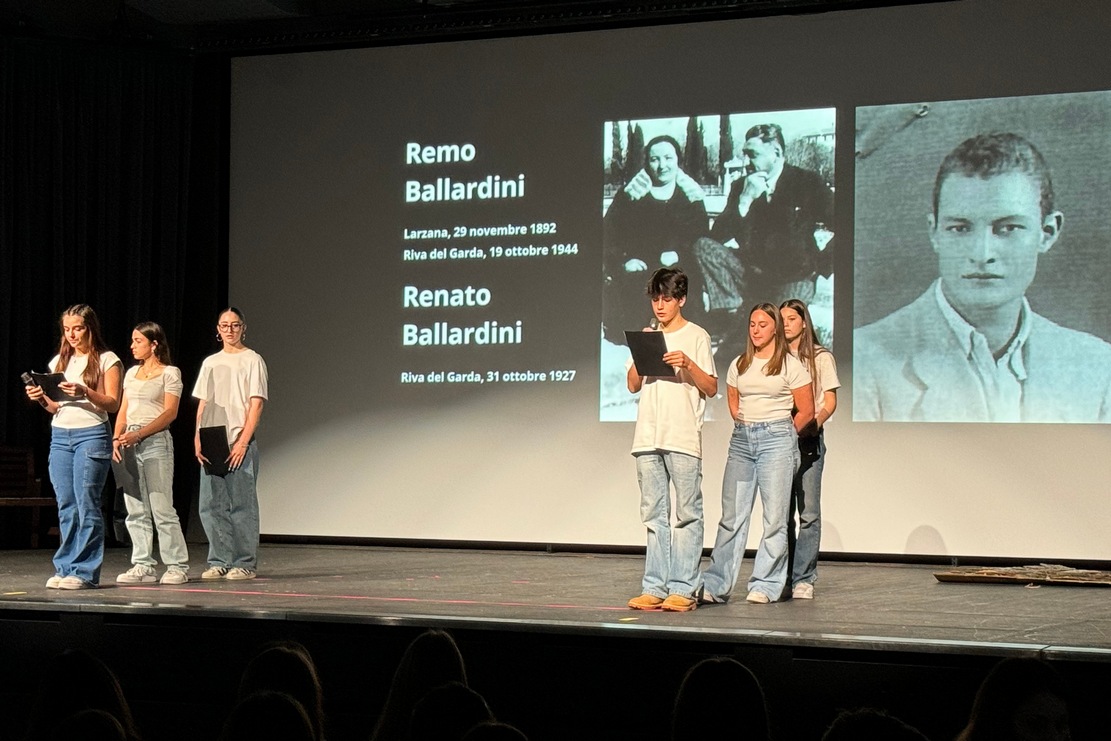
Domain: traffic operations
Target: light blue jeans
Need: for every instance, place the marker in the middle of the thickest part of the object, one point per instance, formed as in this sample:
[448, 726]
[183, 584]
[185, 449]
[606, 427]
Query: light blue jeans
[671, 560]
[79, 463]
[762, 456]
[155, 508]
[229, 513]
[806, 501]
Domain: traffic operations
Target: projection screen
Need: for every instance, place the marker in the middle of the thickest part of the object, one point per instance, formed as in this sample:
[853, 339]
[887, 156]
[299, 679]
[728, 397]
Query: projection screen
[421, 240]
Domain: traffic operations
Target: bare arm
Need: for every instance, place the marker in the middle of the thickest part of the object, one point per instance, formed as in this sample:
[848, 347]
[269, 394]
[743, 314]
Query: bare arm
[197, 435]
[239, 449]
[829, 406]
[689, 371]
[634, 380]
[106, 395]
[117, 433]
[804, 406]
[734, 398]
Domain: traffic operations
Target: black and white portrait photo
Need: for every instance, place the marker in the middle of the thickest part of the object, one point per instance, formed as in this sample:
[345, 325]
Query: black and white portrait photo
[982, 256]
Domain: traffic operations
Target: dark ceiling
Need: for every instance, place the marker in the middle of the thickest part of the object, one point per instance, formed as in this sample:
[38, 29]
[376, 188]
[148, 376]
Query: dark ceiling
[252, 26]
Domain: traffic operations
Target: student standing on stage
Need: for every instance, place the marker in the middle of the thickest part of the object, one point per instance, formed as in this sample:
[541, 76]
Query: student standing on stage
[80, 445]
[806, 491]
[764, 385]
[151, 394]
[667, 445]
[231, 388]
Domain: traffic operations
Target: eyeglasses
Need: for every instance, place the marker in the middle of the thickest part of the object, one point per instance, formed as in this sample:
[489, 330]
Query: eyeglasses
[233, 327]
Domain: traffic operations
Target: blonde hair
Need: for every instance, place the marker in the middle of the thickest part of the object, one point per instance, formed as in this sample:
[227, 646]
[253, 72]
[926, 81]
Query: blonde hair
[779, 355]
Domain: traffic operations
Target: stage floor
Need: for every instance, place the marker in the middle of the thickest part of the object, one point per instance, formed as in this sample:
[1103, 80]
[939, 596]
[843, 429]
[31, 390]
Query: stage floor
[862, 606]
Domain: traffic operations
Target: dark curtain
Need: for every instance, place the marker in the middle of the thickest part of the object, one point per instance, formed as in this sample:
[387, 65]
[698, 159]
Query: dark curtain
[113, 193]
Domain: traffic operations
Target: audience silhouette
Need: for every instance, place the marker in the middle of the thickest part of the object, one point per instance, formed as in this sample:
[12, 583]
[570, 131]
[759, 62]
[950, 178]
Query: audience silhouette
[714, 684]
[431, 660]
[268, 716]
[281, 698]
[1021, 699]
[447, 712]
[100, 690]
[287, 667]
[90, 725]
[492, 730]
[869, 724]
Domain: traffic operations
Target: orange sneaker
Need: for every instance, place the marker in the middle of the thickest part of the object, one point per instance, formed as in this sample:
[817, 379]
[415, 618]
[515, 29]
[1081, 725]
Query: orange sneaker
[679, 603]
[646, 602]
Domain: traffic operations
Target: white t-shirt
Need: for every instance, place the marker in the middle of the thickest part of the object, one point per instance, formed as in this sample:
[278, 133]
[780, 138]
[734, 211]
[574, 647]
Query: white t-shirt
[670, 412]
[767, 398]
[81, 413]
[146, 397]
[826, 366]
[226, 384]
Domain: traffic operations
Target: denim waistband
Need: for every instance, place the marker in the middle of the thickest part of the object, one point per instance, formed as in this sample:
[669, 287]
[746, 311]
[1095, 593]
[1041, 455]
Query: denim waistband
[767, 423]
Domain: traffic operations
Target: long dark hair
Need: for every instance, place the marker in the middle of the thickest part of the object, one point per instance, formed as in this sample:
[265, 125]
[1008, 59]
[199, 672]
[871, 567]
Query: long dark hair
[154, 334]
[91, 376]
[809, 346]
[778, 358]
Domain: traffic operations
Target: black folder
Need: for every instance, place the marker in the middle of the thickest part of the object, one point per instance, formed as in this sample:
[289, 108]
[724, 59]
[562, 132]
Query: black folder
[126, 472]
[49, 383]
[648, 350]
[214, 447]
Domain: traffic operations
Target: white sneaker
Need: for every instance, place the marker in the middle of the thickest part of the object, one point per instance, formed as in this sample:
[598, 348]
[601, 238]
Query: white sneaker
[75, 582]
[241, 573]
[137, 574]
[804, 590]
[54, 582]
[757, 598]
[174, 575]
[215, 572]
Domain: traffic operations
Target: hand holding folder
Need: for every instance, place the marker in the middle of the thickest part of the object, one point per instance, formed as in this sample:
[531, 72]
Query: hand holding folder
[48, 382]
[215, 450]
[648, 349]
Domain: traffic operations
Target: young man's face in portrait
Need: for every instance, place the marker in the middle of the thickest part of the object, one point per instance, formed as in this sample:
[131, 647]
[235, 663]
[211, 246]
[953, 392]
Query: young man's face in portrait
[663, 163]
[988, 234]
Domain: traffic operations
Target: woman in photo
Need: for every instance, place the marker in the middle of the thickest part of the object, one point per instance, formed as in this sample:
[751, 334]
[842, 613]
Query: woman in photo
[231, 391]
[765, 385]
[80, 445]
[806, 491]
[151, 395]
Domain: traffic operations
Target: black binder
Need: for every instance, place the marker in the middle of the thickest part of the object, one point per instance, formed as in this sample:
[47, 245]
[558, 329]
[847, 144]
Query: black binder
[214, 447]
[648, 350]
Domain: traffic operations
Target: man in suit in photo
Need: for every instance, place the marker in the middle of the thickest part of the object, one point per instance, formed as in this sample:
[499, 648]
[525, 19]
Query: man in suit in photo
[763, 245]
[971, 349]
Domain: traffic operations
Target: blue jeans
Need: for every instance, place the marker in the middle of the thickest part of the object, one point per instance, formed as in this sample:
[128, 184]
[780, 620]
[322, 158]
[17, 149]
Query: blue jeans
[671, 561]
[806, 500]
[229, 513]
[762, 456]
[155, 508]
[79, 463]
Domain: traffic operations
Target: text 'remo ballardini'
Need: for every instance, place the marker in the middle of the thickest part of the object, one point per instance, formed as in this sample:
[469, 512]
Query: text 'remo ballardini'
[447, 189]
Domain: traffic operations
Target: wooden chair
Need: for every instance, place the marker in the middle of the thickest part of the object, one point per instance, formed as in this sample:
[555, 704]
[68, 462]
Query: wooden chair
[20, 488]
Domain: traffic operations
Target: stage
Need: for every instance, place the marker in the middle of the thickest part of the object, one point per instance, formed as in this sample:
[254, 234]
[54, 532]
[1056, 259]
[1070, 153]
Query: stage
[546, 635]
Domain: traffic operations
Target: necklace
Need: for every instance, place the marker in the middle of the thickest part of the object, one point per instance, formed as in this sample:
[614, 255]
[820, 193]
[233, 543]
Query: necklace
[144, 372]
